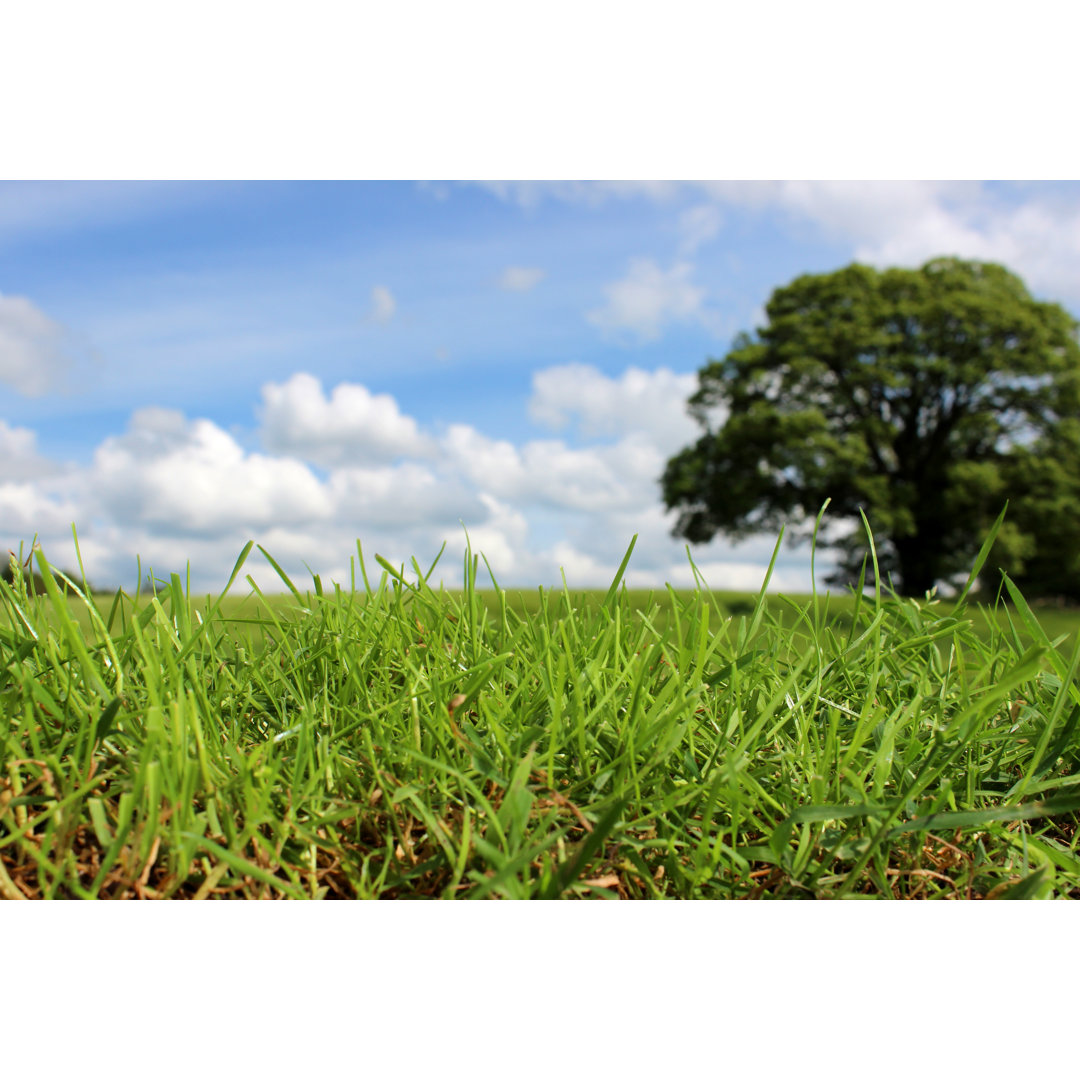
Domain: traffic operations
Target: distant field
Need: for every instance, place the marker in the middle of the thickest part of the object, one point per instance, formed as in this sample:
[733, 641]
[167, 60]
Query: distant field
[248, 613]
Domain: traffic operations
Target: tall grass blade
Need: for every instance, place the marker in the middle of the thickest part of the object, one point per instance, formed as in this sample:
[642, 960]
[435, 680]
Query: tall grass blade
[572, 869]
[980, 559]
[281, 574]
[609, 598]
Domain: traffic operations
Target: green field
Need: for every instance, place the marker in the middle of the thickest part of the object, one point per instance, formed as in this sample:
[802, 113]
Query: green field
[413, 742]
[248, 614]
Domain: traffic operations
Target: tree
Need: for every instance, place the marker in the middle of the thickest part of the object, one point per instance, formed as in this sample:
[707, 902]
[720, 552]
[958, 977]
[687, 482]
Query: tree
[1040, 546]
[913, 395]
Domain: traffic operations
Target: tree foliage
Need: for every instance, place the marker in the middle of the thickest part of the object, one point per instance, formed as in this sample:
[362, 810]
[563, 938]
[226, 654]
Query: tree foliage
[923, 397]
[1040, 547]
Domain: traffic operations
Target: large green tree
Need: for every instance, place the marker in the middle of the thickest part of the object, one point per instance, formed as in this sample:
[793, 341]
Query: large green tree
[1040, 544]
[921, 397]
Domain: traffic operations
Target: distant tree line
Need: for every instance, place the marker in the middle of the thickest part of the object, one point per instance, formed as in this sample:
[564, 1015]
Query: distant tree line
[35, 583]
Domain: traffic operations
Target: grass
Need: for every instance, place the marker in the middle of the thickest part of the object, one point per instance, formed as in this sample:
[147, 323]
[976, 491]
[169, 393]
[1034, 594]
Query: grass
[401, 741]
[248, 613]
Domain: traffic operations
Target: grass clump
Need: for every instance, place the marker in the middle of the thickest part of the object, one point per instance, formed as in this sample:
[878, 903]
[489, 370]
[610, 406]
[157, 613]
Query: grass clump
[398, 740]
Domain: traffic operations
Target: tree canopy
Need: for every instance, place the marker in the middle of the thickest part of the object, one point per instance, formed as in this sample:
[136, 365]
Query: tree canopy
[923, 397]
[1040, 545]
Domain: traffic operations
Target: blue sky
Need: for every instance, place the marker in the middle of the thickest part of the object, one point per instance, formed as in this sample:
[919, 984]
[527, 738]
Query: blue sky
[186, 366]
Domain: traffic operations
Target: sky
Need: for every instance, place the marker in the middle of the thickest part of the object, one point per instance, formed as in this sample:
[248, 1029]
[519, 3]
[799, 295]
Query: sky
[185, 366]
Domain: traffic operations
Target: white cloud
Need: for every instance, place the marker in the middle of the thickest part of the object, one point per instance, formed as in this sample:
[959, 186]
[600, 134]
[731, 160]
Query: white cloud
[352, 426]
[548, 473]
[520, 278]
[905, 223]
[579, 566]
[28, 508]
[502, 537]
[174, 489]
[659, 559]
[585, 568]
[34, 351]
[884, 222]
[1041, 243]
[383, 305]
[493, 464]
[402, 495]
[653, 402]
[593, 480]
[19, 458]
[698, 226]
[647, 299]
[16, 446]
[175, 475]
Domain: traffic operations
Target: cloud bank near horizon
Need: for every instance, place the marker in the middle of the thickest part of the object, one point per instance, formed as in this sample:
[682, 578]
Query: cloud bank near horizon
[336, 467]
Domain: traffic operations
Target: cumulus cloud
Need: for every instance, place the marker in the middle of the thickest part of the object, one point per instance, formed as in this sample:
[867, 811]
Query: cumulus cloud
[494, 463]
[520, 278]
[651, 402]
[548, 473]
[658, 559]
[383, 305]
[174, 489]
[898, 221]
[594, 479]
[644, 301]
[16, 446]
[1040, 242]
[35, 355]
[503, 538]
[19, 458]
[28, 509]
[890, 223]
[352, 426]
[405, 494]
[179, 476]
[38, 497]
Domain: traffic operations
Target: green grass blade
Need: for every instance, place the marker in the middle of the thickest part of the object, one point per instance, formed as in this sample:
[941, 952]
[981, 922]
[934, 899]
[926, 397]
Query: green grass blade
[609, 598]
[572, 869]
[281, 574]
[980, 559]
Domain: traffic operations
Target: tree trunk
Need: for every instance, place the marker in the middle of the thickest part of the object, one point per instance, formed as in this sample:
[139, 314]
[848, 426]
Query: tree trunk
[918, 564]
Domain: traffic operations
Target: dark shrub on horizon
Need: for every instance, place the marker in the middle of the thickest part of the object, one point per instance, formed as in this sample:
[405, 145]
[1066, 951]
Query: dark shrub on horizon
[35, 583]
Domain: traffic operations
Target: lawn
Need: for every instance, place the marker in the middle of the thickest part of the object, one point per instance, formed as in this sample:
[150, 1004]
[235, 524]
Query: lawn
[406, 741]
